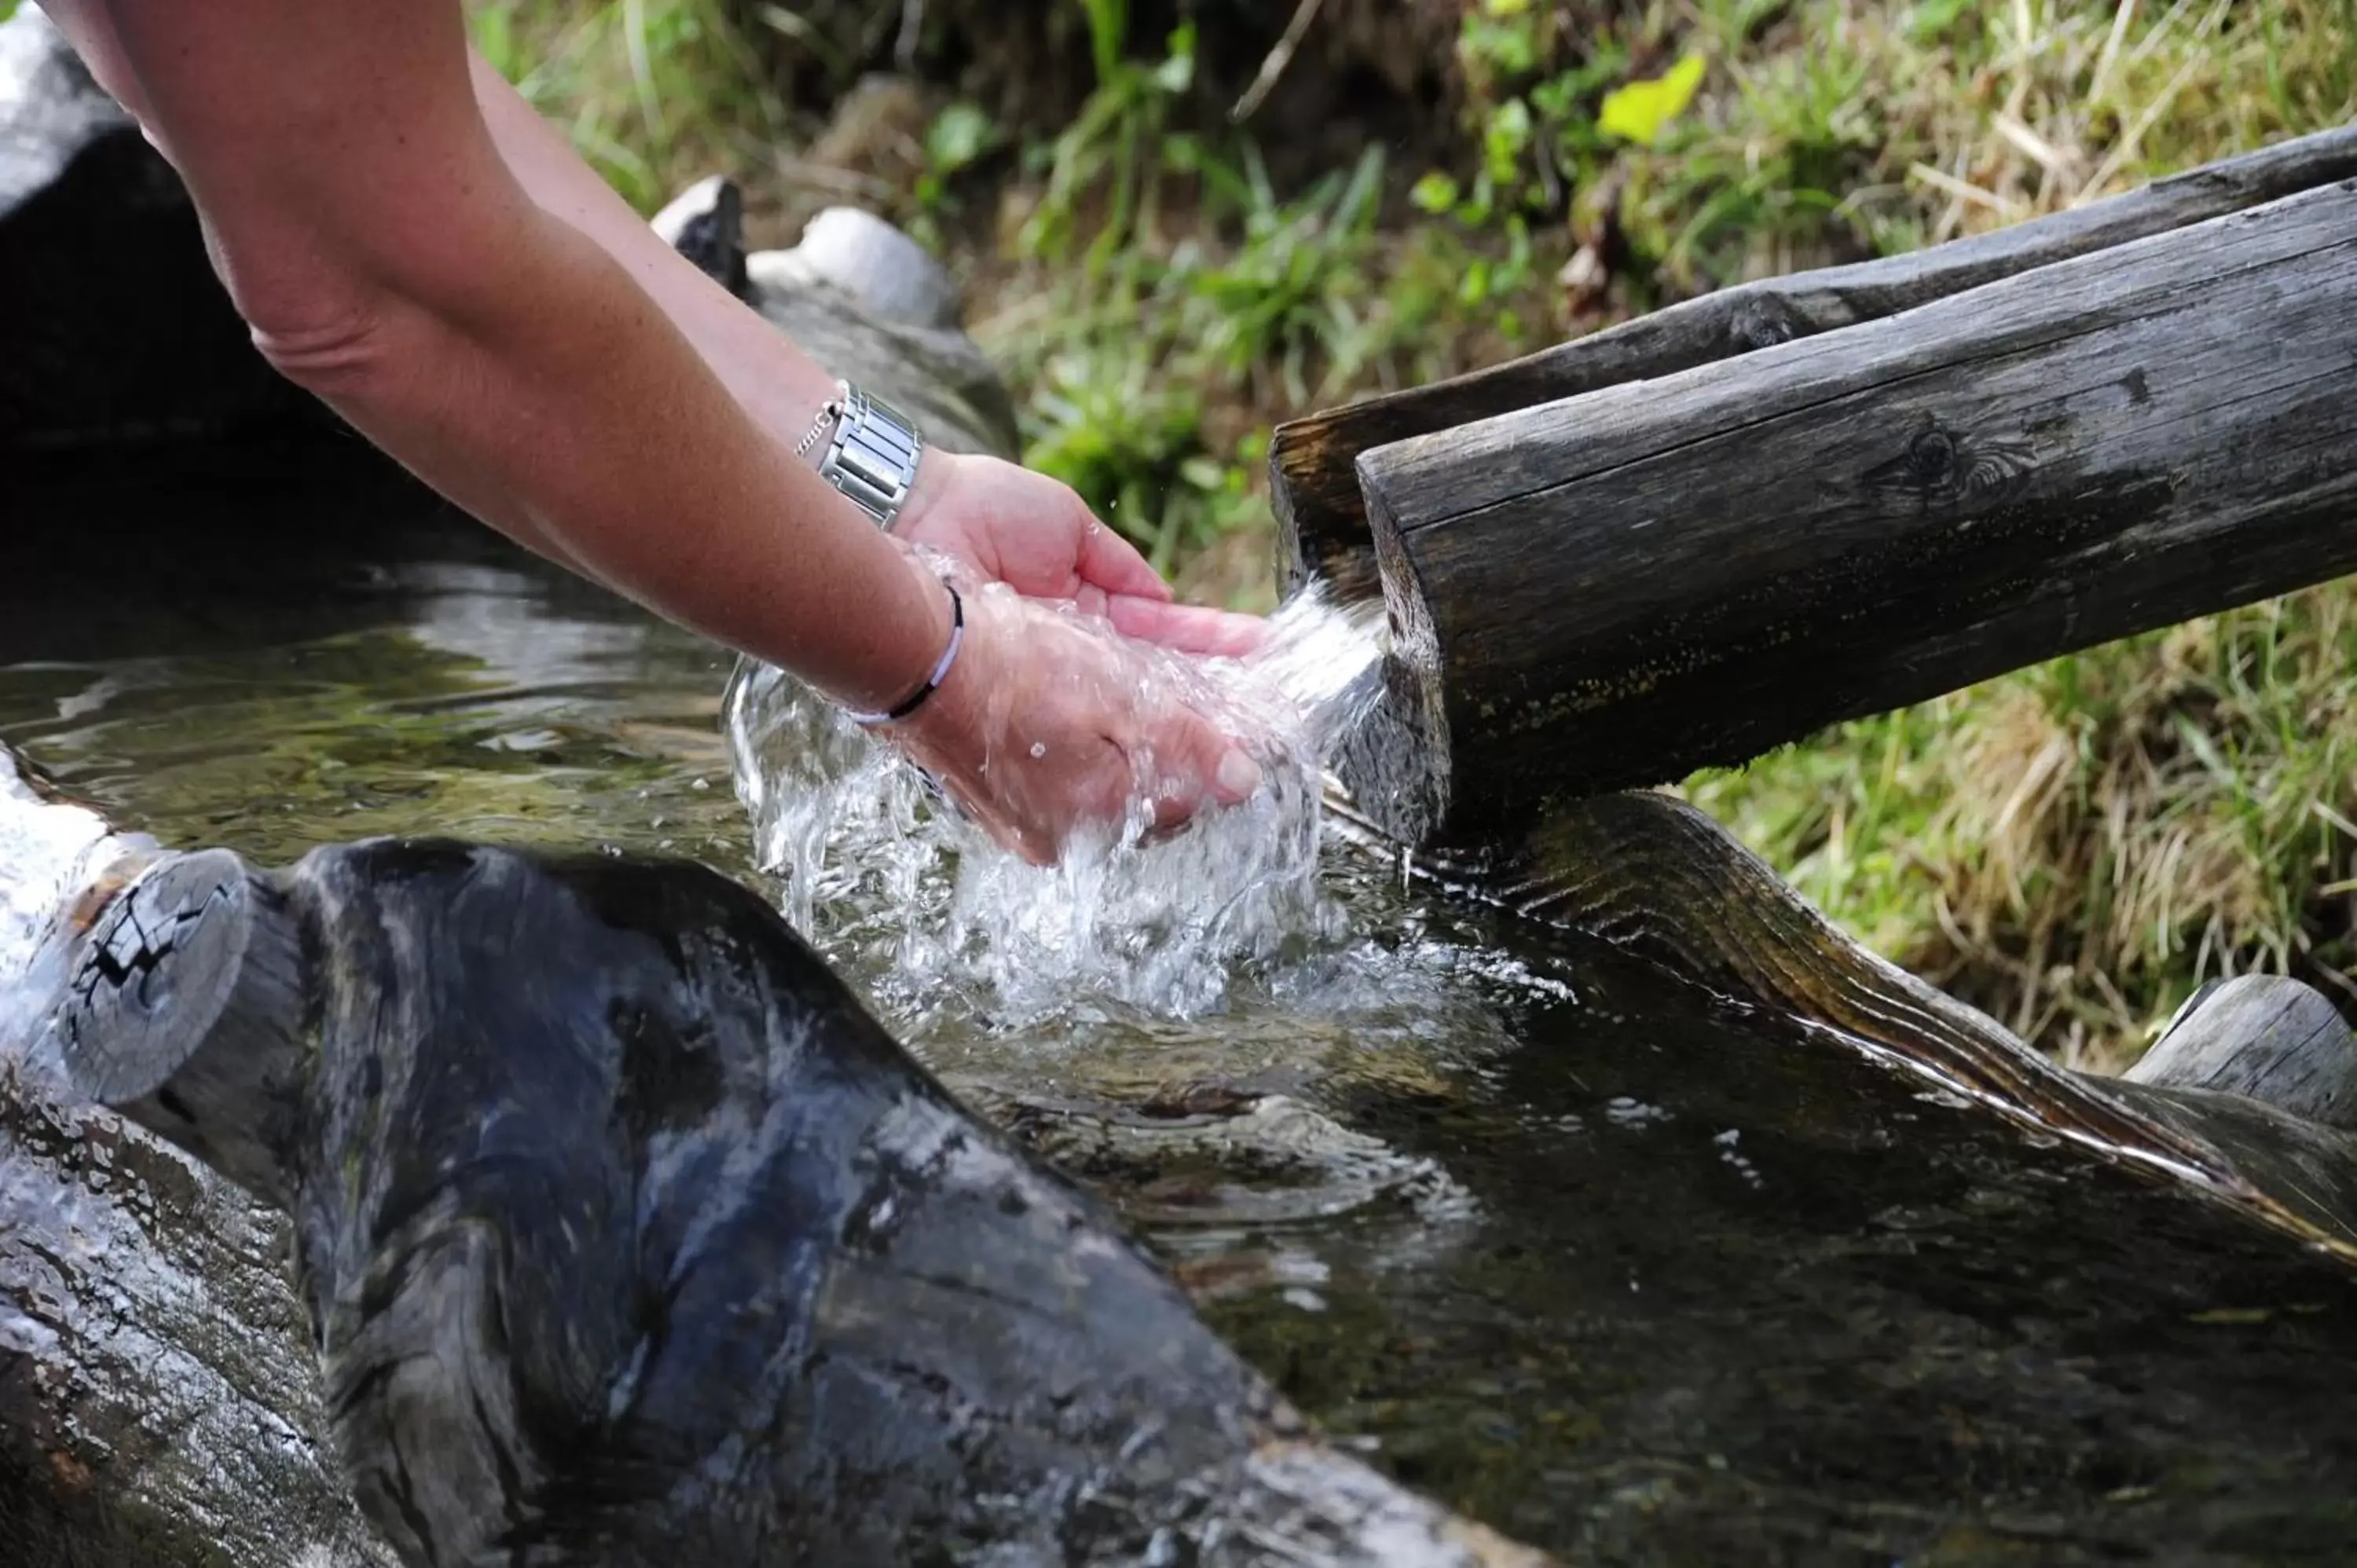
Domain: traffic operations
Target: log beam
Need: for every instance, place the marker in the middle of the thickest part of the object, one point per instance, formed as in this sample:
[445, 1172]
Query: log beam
[1616, 590]
[597, 1174]
[1662, 882]
[1321, 517]
[158, 1406]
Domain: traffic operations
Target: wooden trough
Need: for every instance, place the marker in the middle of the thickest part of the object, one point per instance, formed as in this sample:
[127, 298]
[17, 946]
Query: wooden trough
[1712, 531]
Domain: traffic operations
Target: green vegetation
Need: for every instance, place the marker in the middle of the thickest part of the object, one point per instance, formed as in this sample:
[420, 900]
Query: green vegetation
[2073, 847]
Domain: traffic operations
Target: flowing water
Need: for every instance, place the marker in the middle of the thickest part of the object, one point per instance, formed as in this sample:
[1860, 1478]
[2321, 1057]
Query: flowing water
[1627, 1273]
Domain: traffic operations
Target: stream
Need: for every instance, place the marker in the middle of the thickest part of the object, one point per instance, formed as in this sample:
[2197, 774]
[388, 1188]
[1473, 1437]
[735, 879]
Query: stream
[1619, 1271]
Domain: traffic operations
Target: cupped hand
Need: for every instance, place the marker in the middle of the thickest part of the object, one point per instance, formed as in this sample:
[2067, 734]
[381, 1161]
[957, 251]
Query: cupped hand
[1037, 536]
[1045, 726]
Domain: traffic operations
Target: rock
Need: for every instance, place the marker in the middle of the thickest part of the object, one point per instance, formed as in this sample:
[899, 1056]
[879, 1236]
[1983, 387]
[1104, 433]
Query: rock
[863, 300]
[117, 330]
[120, 334]
[866, 302]
[705, 223]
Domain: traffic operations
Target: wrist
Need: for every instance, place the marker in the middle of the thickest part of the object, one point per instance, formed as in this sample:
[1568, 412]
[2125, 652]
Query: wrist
[945, 617]
[935, 468]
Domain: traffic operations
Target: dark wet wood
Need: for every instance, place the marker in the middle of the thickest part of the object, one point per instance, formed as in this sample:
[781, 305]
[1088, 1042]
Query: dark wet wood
[1620, 588]
[2267, 1036]
[159, 1407]
[1661, 880]
[1321, 514]
[186, 1014]
[621, 1221]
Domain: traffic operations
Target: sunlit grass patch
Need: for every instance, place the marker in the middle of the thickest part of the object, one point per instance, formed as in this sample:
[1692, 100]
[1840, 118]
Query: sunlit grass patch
[655, 93]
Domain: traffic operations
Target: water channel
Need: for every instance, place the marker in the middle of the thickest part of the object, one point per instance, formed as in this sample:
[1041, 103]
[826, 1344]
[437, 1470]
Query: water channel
[1622, 1271]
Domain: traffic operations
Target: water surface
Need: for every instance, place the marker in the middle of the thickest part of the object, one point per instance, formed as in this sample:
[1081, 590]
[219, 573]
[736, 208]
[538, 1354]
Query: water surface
[1624, 1273]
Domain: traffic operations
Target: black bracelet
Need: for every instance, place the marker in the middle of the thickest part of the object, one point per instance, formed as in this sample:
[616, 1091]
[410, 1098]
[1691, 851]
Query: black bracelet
[916, 699]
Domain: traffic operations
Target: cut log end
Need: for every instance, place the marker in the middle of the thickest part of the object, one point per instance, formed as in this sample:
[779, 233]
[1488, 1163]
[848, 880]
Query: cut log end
[2266, 1038]
[185, 1013]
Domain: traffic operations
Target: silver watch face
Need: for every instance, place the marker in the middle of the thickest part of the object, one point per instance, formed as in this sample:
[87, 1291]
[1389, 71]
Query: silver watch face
[873, 456]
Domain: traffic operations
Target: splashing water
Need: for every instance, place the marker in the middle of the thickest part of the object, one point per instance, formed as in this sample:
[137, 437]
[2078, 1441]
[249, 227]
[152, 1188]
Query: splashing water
[50, 853]
[873, 861]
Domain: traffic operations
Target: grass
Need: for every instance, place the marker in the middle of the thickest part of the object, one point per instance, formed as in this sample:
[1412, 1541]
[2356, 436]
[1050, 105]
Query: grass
[2073, 847]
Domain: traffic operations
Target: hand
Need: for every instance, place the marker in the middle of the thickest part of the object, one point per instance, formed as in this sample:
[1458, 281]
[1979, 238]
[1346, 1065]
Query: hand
[1036, 536]
[1044, 726]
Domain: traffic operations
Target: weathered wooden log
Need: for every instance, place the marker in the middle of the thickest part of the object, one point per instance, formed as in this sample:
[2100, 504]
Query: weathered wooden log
[2265, 1036]
[1313, 462]
[625, 1232]
[1616, 590]
[1659, 879]
[159, 1404]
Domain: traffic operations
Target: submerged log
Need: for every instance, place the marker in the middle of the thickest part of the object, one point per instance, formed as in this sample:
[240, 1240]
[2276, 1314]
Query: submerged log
[1321, 515]
[1657, 878]
[158, 1406]
[1616, 590]
[626, 1233]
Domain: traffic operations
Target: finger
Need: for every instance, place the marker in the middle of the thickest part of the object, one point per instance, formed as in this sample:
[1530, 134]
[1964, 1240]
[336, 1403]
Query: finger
[1194, 763]
[1113, 564]
[1188, 628]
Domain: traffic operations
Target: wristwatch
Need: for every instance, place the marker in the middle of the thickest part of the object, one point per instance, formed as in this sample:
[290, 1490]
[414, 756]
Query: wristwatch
[871, 455]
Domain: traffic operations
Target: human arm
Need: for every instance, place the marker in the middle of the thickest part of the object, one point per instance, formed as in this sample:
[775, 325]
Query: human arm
[1011, 525]
[389, 261]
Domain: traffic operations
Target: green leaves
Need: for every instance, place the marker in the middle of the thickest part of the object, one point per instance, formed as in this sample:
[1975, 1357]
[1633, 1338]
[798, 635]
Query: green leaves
[1640, 110]
[1435, 193]
[959, 134]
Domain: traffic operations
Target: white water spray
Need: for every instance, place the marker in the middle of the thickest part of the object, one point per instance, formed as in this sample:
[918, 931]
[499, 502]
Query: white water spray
[876, 863]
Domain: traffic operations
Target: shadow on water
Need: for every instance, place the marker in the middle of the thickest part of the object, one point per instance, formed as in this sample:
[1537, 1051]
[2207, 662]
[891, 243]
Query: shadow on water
[1621, 1272]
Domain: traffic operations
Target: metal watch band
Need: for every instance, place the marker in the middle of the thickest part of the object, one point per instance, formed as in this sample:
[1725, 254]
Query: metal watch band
[872, 458]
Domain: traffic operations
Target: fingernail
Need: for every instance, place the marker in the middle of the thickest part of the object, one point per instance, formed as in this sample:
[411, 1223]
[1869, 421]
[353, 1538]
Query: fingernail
[1239, 776]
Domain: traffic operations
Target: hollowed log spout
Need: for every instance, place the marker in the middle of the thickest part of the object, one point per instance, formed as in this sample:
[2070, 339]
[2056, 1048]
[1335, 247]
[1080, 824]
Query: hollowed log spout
[628, 1237]
[2246, 1104]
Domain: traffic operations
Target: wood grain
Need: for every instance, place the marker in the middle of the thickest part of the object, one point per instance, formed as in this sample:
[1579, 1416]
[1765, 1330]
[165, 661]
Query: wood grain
[2267, 1036]
[1660, 881]
[1321, 517]
[1616, 590]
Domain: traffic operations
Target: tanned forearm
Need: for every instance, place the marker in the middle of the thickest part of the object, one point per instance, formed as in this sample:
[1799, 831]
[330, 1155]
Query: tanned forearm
[775, 383]
[390, 261]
